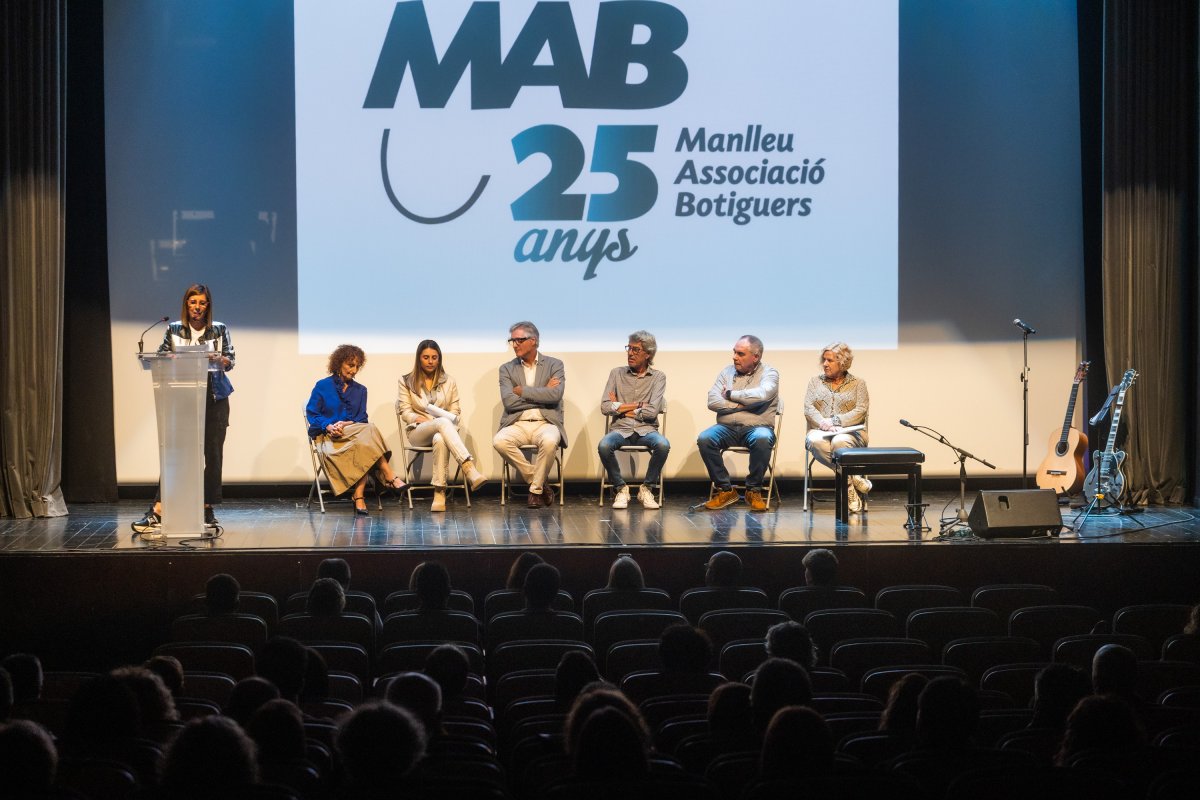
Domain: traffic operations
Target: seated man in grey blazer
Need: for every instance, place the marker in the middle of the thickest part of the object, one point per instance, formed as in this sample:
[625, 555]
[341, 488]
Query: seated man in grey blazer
[531, 391]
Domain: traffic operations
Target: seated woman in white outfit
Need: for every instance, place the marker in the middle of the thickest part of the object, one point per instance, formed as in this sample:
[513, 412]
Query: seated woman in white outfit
[834, 402]
[430, 412]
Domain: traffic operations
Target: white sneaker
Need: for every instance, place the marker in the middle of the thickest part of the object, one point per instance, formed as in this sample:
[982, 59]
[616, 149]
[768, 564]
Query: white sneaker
[646, 497]
[853, 500]
[622, 498]
[862, 484]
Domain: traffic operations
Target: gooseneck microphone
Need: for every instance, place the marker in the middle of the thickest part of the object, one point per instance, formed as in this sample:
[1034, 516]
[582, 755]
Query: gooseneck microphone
[1024, 326]
[907, 424]
[142, 338]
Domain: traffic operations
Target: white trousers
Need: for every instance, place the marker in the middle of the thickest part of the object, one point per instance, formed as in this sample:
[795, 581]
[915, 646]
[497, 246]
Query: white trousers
[543, 435]
[444, 437]
[822, 447]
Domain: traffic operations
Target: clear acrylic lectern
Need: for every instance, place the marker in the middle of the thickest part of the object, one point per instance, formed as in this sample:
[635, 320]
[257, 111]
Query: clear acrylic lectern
[180, 380]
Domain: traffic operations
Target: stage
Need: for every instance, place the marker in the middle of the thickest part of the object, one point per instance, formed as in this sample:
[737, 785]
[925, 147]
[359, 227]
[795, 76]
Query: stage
[292, 524]
[84, 592]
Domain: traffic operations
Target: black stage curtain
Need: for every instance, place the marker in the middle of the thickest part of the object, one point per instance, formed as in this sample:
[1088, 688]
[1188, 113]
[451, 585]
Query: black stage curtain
[1149, 255]
[89, 469]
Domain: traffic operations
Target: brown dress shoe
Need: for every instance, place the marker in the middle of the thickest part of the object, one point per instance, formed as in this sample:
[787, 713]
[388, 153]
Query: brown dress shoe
[535, 500]
[755, 499]
[722, 499]
[548, 497]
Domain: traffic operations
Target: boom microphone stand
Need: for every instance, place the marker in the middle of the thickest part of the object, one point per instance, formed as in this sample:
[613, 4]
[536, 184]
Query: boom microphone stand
[1026, 330]
[960, 518]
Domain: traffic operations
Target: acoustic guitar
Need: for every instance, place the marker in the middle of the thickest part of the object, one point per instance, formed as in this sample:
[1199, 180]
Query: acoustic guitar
[1062, 468]
[1105, 484]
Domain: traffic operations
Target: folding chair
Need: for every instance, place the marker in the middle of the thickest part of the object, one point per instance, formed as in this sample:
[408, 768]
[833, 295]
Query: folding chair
[319, 471]
[418, 470]
[627, 459]
[745, 451]
[809, 460]
[530, 451]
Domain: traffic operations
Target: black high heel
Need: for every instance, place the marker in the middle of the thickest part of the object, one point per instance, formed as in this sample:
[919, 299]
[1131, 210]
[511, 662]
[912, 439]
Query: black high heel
[361, 512]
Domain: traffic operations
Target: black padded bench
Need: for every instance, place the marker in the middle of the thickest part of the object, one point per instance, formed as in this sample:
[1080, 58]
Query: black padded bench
[876, 461]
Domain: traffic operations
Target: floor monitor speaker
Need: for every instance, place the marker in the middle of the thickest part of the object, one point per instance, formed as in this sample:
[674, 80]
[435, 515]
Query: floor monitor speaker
[1015, 513]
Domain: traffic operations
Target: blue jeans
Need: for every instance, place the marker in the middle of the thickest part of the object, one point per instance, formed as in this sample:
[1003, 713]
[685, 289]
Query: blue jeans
[659, 447]
[760, 439]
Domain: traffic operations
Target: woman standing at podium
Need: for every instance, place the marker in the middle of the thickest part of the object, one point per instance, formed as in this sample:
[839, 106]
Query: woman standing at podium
[196, 326]
[351, 447]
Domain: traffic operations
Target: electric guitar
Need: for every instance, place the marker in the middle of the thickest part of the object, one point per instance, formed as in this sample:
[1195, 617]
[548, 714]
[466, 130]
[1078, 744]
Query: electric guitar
[1105, 484]
[1062, 468]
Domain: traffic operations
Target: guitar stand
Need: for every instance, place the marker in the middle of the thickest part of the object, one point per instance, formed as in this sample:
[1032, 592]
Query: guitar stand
[1114, 510]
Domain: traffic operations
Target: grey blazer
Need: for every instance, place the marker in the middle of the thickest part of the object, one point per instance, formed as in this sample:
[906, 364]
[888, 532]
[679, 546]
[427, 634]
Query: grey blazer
[540, 396]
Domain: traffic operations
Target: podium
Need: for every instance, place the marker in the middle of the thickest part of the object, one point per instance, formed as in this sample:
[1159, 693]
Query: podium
[180, 380]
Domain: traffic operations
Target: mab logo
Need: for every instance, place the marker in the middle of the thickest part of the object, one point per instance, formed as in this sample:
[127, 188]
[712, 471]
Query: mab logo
[496, 80]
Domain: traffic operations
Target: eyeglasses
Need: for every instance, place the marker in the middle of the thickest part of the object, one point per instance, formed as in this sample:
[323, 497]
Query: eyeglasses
[634, 349]
[519, 339]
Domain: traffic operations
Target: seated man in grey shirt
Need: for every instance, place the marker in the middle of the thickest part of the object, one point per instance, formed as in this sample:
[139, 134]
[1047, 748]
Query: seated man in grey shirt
[745, 397]
[531, 391]
[633, 397]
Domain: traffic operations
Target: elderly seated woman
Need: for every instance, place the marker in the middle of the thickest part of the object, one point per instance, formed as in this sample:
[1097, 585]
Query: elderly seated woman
[350, 446]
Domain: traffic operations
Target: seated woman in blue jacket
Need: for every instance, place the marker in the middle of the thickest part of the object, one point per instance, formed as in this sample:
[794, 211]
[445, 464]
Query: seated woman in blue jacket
[350, 446]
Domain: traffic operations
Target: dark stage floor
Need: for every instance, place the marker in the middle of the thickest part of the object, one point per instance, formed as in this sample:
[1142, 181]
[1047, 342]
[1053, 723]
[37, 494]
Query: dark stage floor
[288, 524]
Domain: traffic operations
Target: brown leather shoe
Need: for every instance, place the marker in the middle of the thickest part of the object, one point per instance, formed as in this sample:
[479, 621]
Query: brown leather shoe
[755, 499]
[722, 499]
[535, 500]
[548, 497]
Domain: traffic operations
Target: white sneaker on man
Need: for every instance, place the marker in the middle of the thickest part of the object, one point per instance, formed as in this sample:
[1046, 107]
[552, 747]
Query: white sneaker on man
[622, 498]
[862, 484]
[646, 497]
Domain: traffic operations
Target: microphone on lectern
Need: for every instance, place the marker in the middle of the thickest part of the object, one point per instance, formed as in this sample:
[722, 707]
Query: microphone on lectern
[142, 338]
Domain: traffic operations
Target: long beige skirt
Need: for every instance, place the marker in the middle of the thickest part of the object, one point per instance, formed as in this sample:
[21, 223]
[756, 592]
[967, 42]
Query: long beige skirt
[351, 455]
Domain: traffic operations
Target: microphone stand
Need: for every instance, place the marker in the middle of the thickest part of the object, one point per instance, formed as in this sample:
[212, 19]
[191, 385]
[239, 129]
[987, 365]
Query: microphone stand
[960, 518]
[1025, 415]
